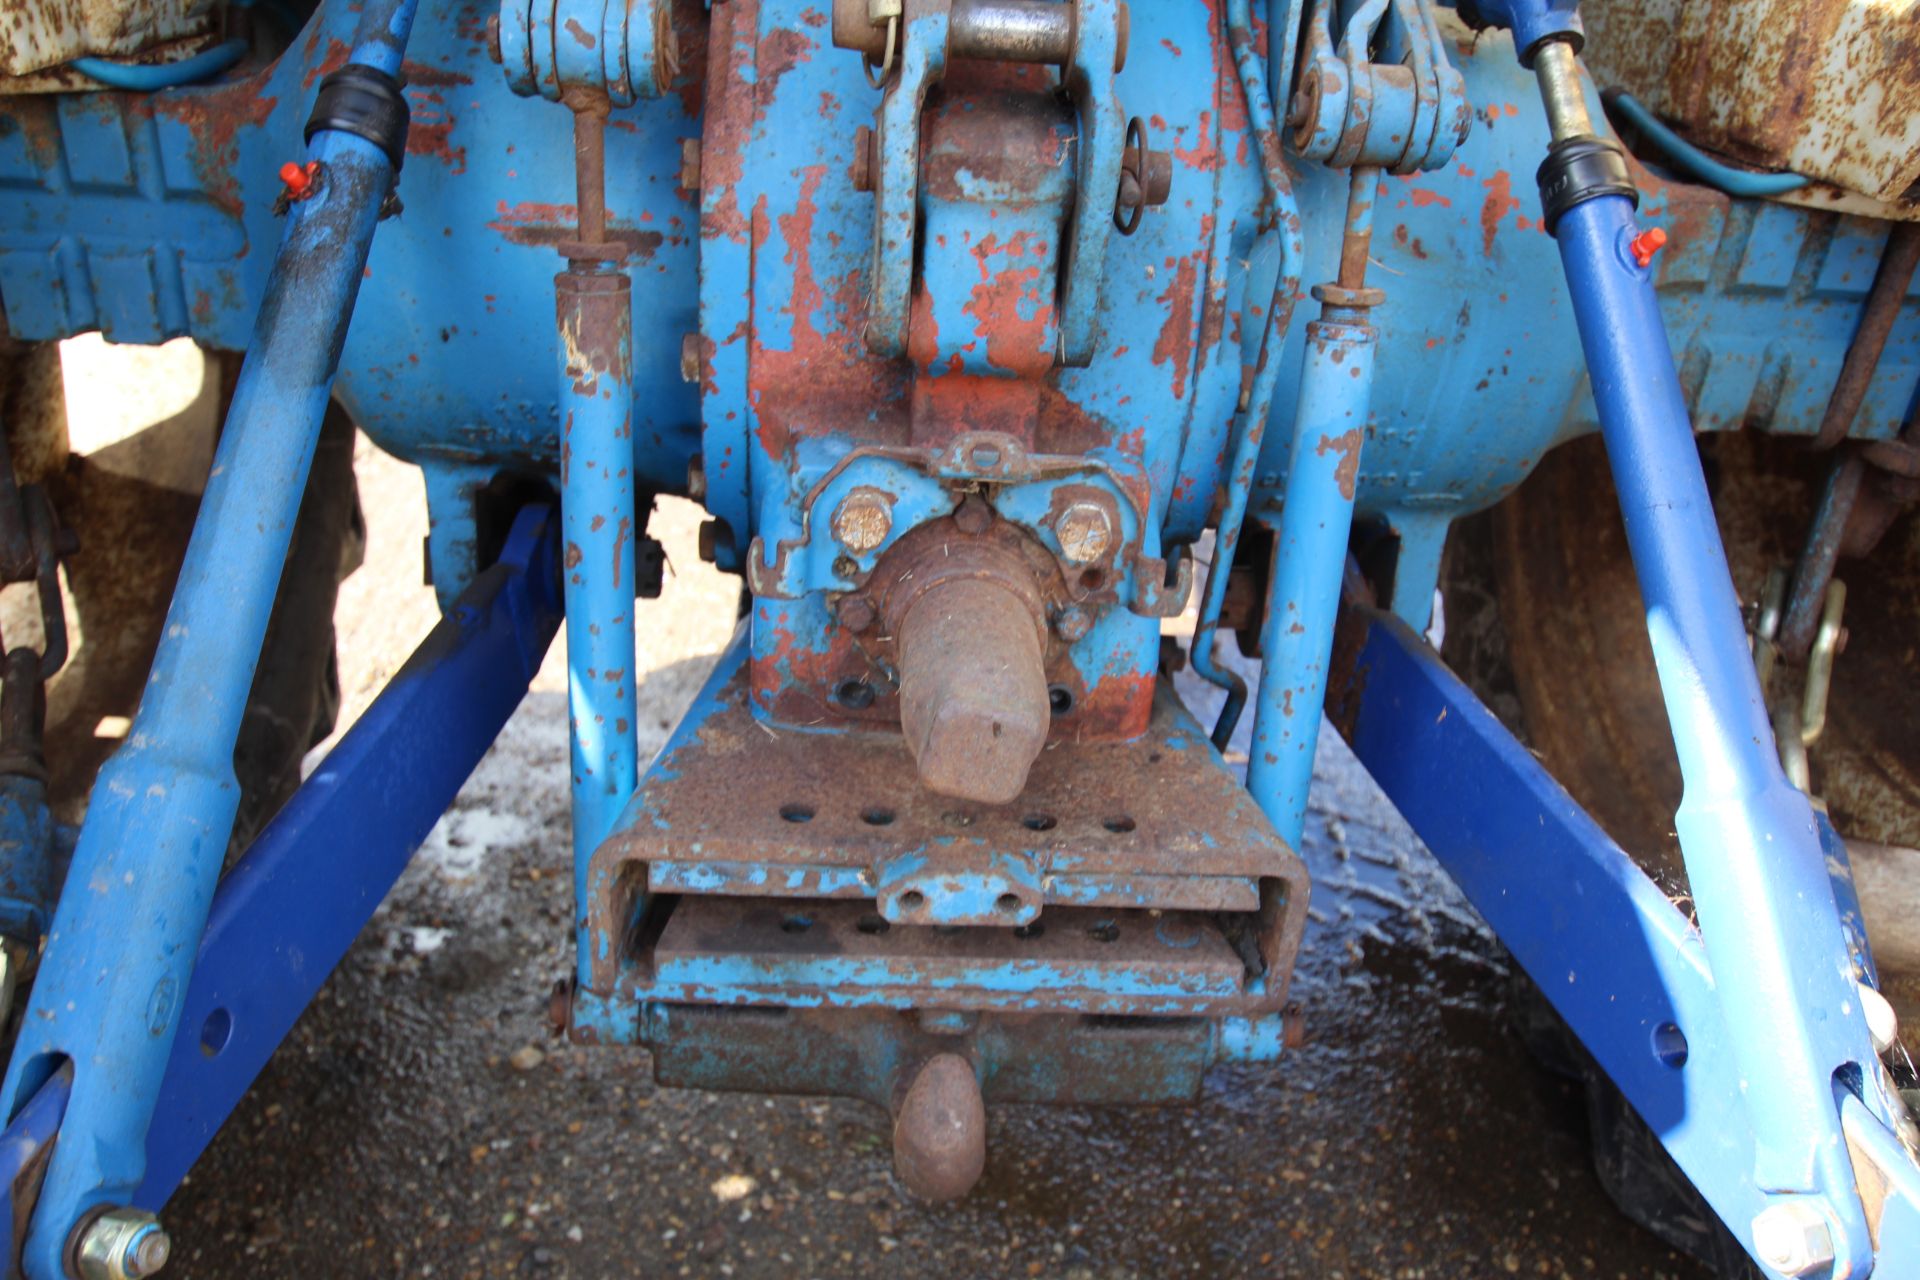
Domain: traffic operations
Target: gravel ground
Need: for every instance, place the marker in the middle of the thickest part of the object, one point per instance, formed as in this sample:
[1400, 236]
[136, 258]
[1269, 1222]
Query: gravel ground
[420, 1123]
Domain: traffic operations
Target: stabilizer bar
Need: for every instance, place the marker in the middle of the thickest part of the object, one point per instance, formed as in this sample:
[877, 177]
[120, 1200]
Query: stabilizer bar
[286, 914]
[1623, 966]
[119, 953]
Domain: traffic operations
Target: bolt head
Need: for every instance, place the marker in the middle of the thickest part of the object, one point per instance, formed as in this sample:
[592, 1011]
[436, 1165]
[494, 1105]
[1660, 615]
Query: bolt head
[493, 39]
[148, 1252]
[690, 163]
[1792, 1237]
[863, 520]
[690, 354]
[1072, 624]
[122, 1244]
[973, 516]
[855, 613]
[1085, 531]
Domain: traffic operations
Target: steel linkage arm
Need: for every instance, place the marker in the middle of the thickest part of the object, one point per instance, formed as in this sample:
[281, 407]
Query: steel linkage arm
[1785, 983]
[1616, 958]
[286, 914]
[288, 911]
[120, 952]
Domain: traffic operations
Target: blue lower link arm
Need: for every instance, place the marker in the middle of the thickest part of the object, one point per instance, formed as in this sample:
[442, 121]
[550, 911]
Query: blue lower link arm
[1786, 986]
[1753, 856]
[120, 951]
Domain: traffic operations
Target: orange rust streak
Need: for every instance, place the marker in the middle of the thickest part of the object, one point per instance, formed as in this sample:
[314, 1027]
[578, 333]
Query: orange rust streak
[1347, 470]
[820, 380]
[1175, 344]
[1499, 203]
[946, 406]
[1204, 154]
[1021, 347]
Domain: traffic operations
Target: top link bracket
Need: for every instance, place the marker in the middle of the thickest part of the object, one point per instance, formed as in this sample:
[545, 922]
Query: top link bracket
[623, 48]
[907, 45]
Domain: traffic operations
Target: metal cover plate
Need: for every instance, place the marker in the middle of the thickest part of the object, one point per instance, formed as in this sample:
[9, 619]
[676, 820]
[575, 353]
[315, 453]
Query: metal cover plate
[735, 806]
[839, 954]
[737, 823]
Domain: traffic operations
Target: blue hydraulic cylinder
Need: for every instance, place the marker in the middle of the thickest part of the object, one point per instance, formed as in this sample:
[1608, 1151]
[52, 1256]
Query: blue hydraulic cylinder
[1753, 855]
[1310, 556]
[598, 525]
[122, 943]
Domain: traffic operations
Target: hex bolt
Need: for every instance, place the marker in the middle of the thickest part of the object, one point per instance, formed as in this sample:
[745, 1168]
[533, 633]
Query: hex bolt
[863, 159]
[493, 39]
[697, 478]
[1071, 624]
[1793, 1238]
[973, 515]
[863, 520]
[690, 358]
[855, 613]
[122, 1244]
[1085, 532]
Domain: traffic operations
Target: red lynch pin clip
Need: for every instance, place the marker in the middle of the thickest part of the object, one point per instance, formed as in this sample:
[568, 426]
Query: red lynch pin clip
[1646, 244]
[300, 180]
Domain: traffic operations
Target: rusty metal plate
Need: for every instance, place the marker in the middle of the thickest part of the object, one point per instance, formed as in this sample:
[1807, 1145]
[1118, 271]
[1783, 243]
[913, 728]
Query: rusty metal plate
[1826, 88]
[42, 34]
[799, 953]
[735, 806]
[738, 822]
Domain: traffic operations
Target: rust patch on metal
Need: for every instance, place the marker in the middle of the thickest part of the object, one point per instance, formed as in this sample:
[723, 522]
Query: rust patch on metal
[214, 119]
[1347, 471]
[546, 226]
[338, 51]
[1821, 87]
[430, 129]
[418, 75]
[780, 52]
[822, 378]
[724, 792]
[1010, 148]
[730, 119]
[1174, 346]
[1499, 203]
[1021, 345]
